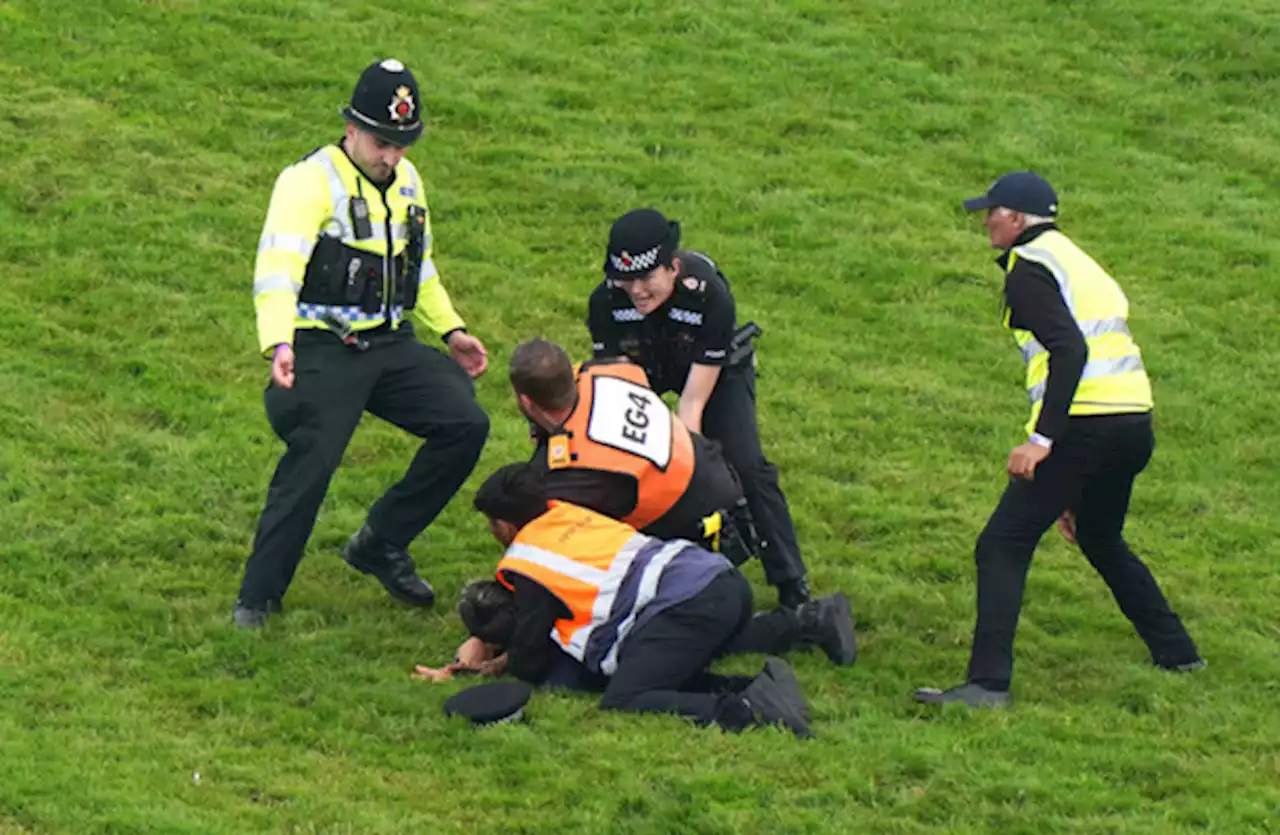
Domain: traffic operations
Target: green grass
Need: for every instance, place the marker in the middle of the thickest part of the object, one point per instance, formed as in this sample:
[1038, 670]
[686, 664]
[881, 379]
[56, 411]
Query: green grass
[818, 150]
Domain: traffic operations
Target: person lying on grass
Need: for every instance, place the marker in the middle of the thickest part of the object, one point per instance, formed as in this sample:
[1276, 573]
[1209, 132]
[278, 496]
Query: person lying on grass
[645, 615]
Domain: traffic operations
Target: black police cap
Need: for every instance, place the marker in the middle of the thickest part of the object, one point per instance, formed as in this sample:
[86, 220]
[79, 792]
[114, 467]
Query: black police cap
[639, 241]
[490, 704]
[385, 103]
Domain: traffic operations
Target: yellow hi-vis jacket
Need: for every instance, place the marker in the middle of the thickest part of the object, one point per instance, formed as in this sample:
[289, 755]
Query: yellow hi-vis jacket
[312, 201]
[1114, 380]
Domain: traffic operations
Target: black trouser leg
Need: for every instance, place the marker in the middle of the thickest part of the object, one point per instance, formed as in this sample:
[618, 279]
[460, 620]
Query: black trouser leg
[315, 419]
[1003, 554]
[770, 633]
[730, 418]
[662, 667]
[1100, 518]
[427, 394]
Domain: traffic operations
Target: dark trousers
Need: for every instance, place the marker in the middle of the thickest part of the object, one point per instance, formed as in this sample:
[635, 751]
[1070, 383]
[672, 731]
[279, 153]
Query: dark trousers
[663, 665]
[1091, 471]
[730, 418]
[398, 379]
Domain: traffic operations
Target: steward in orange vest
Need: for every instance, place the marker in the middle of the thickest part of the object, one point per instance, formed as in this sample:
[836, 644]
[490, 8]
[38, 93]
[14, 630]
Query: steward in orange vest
[608, 442]
[649, 614]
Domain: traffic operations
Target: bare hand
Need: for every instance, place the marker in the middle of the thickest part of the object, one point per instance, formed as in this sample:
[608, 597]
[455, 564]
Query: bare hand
[1025, 458]
[282, 366]
[437, 674]
[1067, 526]
[468, 352]
[474, 652]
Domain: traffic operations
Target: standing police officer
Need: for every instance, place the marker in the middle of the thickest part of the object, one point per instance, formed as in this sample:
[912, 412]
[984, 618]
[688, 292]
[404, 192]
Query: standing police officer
[1089, 436]
[345, 256]
[670, 310]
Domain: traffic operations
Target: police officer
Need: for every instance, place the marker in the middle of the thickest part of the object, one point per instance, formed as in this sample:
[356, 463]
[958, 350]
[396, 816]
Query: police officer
[671, 311]
[343, 261]
[1088, 437]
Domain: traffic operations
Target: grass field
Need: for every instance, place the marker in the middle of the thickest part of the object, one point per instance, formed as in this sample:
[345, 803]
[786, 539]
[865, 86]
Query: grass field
[818, 150]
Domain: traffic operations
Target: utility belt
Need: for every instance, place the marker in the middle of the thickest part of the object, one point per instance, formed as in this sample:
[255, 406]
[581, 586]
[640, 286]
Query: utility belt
[732, 532]
[341, 275]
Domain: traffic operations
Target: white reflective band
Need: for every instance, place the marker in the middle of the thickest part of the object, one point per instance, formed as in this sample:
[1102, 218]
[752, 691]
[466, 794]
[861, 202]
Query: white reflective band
[275, 282]
[608, 593]
[341, 201]
[1092, 370]
[1089, 328]
[1046, 259]
[558, 563]
[428, 270]
[293, 244]
[647, 590]
[1098, 327]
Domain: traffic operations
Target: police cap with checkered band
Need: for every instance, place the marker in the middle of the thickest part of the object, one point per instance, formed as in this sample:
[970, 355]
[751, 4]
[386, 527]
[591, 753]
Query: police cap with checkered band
[385, 103]
[639, 241]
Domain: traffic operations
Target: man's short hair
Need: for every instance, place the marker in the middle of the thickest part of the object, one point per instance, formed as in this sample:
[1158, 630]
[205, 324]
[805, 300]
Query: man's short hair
[488, 611]
[515, 494]
[542, 371]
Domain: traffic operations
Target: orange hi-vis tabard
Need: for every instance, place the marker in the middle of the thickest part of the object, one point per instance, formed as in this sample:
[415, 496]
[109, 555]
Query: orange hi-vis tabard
[621, 425]
[603, 572]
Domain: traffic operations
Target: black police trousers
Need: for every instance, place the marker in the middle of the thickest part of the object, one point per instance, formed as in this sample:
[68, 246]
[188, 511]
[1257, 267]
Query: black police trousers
[730, 418]
[1091, 471]
[663, 665]
[398, 379]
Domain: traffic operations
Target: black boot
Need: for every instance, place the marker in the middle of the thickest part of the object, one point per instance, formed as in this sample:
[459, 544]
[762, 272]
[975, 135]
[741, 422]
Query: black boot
[970, 694]
[774, 698]
[828, 624]
[370, 554]
[793, 593]
[255, 617]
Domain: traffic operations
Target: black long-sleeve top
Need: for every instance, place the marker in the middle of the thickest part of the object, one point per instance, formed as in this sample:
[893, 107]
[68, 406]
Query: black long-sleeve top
[1035, 303]
[531, 649]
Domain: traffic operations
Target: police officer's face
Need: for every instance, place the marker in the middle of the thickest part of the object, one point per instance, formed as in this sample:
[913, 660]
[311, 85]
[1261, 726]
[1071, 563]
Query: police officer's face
[650, 291]
[1004, 226]
[377, 158]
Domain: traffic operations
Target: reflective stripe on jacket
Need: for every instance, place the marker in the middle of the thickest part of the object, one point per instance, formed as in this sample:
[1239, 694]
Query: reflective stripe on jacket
[311, 202]
[1114, 380]
[605, 574]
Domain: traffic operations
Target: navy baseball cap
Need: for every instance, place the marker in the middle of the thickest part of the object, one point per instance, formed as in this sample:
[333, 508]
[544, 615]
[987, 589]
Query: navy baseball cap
[1022, 191]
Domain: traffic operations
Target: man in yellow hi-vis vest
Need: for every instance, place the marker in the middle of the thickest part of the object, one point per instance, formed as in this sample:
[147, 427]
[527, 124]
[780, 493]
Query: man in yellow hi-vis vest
[1088, 437]
[344, 259]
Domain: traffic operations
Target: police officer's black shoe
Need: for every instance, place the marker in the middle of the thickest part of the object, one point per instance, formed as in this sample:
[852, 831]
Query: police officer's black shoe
[368, 553]
[828, 624]
[775, 699]
[247, 617]
[255, 617]
[971, 694]
[794, 593]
